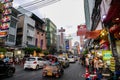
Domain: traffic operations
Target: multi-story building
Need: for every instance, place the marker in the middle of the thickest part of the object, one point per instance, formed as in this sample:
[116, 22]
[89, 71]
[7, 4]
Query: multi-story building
[25, 31]
[51, 34]
[40, 34]
[10, 39]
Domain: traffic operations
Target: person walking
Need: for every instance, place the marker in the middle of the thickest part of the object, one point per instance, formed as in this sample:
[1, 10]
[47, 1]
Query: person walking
[87, 61]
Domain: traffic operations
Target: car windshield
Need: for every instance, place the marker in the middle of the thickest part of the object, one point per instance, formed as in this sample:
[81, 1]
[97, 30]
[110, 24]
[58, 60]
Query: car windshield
[51, 64]
[70, 56]
[31, 59]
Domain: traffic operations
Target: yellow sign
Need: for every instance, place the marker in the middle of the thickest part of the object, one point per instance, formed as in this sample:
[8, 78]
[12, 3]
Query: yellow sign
[106, 54]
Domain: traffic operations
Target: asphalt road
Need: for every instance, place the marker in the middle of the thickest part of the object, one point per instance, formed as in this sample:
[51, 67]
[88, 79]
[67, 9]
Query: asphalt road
[73, 72]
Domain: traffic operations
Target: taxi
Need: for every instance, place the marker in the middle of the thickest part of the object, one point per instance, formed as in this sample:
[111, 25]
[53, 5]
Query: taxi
[52, 69]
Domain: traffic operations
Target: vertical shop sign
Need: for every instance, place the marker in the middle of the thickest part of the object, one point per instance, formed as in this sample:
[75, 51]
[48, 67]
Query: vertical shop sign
[6, 17]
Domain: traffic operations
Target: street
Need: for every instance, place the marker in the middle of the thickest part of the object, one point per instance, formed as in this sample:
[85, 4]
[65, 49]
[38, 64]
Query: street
[73, 72]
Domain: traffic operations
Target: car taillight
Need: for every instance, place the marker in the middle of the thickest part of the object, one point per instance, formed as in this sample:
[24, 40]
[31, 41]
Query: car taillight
[34, 62]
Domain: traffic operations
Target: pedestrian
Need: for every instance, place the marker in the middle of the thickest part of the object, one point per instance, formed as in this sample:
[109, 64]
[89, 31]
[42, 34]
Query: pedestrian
[87, 61]
[96, 64]
[6, 59]
[83, 60]
[99, 75]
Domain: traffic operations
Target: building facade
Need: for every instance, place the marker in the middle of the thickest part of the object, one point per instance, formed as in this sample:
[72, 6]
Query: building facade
[51, 34]
[40, 33]
[25, 32]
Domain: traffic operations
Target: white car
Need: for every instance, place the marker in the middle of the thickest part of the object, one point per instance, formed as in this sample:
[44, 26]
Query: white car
[71, 59]
[34, 63]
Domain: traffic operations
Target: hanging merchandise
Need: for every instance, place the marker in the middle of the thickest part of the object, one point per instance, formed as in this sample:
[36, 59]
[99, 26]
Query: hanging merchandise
[4, 26]
[7, 12]
[117, 35]
[114, 28]
[5, 17]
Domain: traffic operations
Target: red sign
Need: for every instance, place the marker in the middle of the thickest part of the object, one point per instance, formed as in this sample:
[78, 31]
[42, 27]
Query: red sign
[4, 26]
[81, 30]
[3, 33]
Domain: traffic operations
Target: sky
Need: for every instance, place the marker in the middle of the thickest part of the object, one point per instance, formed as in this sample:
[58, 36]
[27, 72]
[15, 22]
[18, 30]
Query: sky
[64, 13]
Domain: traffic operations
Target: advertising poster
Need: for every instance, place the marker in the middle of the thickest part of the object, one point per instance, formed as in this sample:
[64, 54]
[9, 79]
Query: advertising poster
[106, 54]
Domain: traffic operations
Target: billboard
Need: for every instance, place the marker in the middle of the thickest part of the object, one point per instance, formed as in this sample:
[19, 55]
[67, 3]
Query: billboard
[81, 30]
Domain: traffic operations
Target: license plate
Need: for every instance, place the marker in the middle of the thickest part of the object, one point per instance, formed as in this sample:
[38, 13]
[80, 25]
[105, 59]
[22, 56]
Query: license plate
[49, 73]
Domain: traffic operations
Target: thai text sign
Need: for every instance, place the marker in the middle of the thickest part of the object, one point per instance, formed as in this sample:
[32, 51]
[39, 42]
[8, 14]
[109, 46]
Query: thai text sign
[106, 54]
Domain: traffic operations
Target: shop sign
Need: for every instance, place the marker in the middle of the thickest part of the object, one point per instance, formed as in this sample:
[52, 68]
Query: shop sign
[3, 33]
[106, 54]
[112, 64]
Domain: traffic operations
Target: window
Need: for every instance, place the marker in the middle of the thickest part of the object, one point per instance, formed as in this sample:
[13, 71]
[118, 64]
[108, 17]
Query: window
[36, 41]
[37, 32]
[40, 59]
[13, 23]
[41, 43]
[31, 59]
[19, 30]
[30, 27]
[11, 38]
[29, 38]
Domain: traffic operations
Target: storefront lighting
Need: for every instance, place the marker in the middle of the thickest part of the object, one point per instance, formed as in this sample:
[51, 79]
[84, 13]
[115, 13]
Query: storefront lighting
[103, 34]
[18, 52]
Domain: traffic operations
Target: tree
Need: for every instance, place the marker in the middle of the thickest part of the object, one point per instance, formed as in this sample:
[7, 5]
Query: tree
[38, 50]
[29, 50]
[3, 50]
[46, 52]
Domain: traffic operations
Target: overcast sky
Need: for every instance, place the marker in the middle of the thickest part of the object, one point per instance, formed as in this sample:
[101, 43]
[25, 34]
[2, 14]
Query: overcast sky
[64, 13]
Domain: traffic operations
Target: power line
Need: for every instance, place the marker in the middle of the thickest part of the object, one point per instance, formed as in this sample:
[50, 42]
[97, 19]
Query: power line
[36, 4]
[39, 3]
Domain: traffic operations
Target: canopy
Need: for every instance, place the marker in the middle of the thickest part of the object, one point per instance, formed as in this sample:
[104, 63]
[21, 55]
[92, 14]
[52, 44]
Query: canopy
[92, 34]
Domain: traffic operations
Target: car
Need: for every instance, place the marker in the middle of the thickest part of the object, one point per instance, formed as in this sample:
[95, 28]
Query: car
[76, 58]
[34, 63]
[6, 69]
[64, 61]
[53, 69]
[71, 59]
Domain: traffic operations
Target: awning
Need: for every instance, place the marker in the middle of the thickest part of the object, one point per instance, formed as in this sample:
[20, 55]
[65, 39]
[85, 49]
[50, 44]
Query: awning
[114, 12]
[92, 34]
